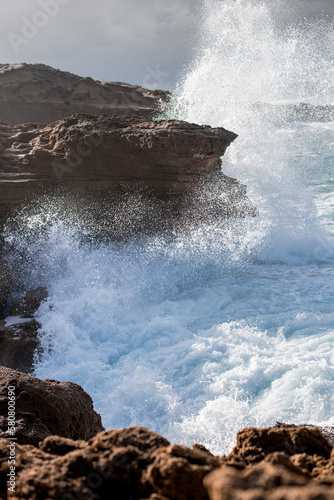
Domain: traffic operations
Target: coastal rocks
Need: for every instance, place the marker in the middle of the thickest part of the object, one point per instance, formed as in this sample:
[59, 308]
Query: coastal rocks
[290, 463]
[178, 471]
[287, 462]
[128, 463]
[45, 408]
[253, 445]
[104, 159]
[263, 482]
[40, 93]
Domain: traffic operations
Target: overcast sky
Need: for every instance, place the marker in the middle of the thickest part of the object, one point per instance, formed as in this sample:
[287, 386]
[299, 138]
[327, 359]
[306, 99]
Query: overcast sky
[146, 42]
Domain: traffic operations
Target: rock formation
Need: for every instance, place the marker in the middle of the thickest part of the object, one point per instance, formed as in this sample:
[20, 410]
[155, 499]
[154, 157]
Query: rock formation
[104, 158]
[45, 408]
[39, 93]
[277, 463]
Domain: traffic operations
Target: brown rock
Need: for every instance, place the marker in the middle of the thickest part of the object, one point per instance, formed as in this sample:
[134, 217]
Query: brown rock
[327, 431]
[105, 158]
[48, 407]
[263, 482]
[111, 465]
[139, 464]
[39, 93]
[177, 472]
[114, 464]
[254, 444]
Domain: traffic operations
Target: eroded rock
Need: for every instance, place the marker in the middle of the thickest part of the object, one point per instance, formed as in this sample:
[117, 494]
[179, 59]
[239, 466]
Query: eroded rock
[286, 462]
[40, 93]
[45, 408]
[169, 164]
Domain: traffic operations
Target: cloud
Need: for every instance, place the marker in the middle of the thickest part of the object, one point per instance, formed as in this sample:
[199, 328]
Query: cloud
[113, 40]
[146, 42]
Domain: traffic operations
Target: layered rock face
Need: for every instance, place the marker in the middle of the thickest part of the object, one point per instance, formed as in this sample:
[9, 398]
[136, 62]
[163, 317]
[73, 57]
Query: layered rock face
[39, 93]
[104, 157]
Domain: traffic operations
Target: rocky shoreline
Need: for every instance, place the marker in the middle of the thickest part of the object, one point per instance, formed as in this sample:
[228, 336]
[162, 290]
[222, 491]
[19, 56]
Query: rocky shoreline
[62, 451]
[101, 145]
[119, 175]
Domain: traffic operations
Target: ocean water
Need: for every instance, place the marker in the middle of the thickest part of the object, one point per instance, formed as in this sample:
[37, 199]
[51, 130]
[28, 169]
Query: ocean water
[199, 334]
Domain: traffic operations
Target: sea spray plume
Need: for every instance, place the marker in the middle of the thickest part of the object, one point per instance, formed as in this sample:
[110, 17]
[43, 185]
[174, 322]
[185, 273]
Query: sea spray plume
[245, 56]
[199, 333]
[247, 61]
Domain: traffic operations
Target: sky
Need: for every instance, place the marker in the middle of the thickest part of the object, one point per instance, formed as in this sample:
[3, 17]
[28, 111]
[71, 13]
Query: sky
[144, 42]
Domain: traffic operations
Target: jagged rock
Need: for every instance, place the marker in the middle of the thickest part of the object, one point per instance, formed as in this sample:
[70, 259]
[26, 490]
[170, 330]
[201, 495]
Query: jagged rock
[263, 482]
[288, 462]
[327, 431]
[292, 463]
[118, 464]
[177, 472]
[28, 305]
[105, 159]
[6, 283]
[39, 93]
[253, 445]
[18, 343]
[45, 408]
[112, 464]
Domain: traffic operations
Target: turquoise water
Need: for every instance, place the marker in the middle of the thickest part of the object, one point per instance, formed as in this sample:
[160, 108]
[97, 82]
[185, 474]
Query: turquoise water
[226, 325]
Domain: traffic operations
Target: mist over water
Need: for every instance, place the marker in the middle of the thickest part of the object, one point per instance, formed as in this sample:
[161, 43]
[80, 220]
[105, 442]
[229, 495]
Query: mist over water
[200, 333]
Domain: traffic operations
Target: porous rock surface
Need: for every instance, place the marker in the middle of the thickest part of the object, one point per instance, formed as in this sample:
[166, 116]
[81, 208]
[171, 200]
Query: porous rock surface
[103, 157]
[45, 408]
[40, 93]
[278, 463]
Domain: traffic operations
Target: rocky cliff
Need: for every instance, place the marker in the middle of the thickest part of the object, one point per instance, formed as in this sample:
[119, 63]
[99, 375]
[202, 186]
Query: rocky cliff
[39, 93]
[104, 158]
[278, 463]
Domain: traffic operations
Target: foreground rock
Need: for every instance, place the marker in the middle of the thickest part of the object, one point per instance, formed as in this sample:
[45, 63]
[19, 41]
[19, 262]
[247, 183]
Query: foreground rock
[44, 408]
[105, 159]
[284, 462]
[139, 464]
[39, 93]
[288, 463]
